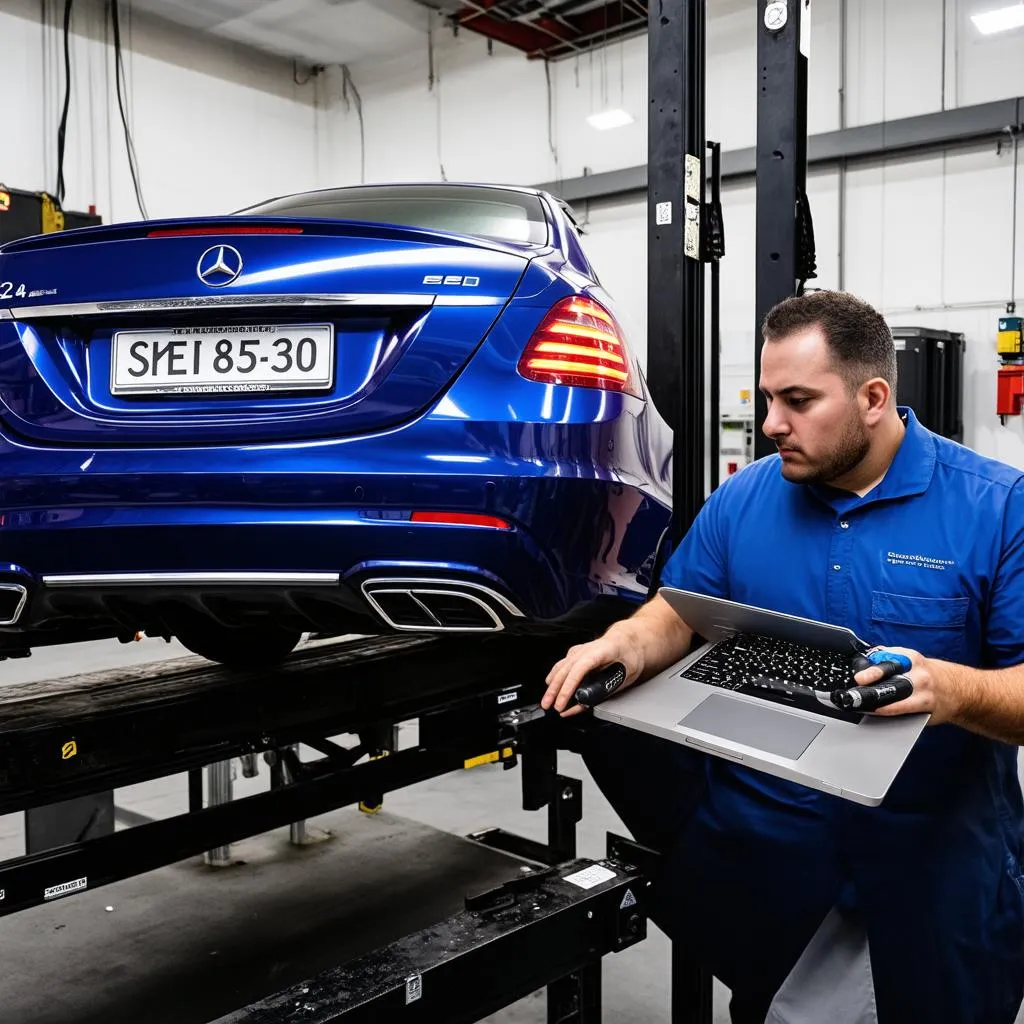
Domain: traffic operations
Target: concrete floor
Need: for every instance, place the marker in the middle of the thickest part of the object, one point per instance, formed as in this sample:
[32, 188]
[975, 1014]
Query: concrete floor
[79, 948]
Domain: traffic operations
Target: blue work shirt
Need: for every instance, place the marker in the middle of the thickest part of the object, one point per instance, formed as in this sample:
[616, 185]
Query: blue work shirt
[931, 559]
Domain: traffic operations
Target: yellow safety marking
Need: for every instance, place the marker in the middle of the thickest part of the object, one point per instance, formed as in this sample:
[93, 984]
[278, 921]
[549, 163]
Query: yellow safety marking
[69, 750]
[52, 215]
[495, 755]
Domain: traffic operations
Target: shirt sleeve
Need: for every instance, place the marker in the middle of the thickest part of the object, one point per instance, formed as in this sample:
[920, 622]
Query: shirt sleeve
[1004, 635]
[700, 563]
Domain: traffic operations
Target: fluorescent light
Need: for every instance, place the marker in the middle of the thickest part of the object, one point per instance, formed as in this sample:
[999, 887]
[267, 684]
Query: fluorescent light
[1001, 20]
[610, 119]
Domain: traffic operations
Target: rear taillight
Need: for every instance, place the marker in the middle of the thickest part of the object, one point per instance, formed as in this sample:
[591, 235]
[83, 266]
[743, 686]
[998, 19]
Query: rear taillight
[579, 343]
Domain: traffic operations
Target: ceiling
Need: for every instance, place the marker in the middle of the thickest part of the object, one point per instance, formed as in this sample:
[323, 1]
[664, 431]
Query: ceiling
[549, 29]
[349, 31]
[312, 31]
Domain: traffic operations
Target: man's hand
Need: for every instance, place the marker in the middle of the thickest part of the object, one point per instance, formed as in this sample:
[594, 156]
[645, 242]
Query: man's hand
[650, 640]
[935, 691]
[566, 676]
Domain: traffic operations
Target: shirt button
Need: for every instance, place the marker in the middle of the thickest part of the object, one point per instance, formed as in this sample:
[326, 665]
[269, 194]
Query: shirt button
[844, 524]
[837, 567]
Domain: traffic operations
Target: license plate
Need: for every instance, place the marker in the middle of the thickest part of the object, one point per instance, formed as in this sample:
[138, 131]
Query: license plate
[258, 358]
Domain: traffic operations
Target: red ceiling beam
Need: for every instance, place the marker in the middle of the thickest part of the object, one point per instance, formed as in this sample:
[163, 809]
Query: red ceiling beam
[522, 37]
[612, 16]
[543, 35]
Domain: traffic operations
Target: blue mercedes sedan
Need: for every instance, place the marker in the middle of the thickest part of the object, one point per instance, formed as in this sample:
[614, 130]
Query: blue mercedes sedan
[366, 409]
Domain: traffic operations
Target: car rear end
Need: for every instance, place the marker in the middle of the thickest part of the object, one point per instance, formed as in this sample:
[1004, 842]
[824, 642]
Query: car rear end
[273, 418]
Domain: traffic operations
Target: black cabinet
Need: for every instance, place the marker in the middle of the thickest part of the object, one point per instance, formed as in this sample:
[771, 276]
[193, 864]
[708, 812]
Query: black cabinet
[930, 372]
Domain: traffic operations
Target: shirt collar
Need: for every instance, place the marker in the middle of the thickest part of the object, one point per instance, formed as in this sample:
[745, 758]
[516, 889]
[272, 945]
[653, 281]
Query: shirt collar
[909, 473]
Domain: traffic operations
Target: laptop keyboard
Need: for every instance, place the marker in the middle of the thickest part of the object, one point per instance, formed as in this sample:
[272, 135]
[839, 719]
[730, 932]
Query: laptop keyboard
[779, 671]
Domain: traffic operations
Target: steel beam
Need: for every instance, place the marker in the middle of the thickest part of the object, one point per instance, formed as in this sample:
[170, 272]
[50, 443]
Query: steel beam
[926, 132]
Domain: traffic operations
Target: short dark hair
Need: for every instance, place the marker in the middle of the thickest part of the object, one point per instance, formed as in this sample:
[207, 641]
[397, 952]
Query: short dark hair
[857, 334]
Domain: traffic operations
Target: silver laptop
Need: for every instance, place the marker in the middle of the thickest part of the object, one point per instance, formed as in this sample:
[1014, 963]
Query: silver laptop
[736, 697]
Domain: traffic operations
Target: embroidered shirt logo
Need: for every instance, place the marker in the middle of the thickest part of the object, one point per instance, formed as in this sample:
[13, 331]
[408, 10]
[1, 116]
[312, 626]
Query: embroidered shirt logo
[919, 561]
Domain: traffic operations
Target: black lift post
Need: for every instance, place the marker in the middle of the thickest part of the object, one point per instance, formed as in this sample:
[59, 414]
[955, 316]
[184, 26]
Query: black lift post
[784, 246]
[682, 235]
[675, 250]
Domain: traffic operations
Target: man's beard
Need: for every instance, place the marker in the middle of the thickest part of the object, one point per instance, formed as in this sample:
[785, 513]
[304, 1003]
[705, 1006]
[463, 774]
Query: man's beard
[848, 452]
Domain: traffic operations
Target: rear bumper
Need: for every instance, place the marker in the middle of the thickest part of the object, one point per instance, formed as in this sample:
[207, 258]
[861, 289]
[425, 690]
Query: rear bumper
[148, 566]
[585, 510]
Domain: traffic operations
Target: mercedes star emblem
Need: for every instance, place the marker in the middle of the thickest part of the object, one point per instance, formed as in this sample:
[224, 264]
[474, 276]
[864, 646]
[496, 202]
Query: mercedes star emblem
[219, 265]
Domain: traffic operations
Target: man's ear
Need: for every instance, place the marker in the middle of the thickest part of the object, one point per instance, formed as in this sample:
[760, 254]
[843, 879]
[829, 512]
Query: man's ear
[874, 398]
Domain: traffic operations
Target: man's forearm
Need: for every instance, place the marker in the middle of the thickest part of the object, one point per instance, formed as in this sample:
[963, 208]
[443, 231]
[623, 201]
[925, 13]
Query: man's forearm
[660, 635]
[987, 701]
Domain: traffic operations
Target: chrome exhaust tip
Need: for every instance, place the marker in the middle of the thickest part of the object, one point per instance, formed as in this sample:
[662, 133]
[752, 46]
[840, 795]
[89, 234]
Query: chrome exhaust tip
[426, 604]
[13, 598]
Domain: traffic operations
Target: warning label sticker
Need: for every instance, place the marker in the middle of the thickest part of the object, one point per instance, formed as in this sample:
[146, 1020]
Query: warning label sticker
[64, 888]
[589, 877]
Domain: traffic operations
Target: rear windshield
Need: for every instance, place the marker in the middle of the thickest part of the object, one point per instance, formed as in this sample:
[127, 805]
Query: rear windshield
[489, 212]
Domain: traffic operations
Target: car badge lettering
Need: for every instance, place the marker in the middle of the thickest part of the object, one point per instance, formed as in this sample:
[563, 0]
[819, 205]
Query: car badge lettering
[465, 282]
[219, 265]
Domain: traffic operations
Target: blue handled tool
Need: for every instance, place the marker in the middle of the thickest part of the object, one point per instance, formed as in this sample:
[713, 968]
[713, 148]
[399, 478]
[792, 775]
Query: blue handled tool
[880, 693]
[888, 661]
[881, 657]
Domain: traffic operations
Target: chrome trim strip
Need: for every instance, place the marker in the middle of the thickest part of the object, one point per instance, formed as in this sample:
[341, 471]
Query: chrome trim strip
[456, 299]
[218, 302]
[6, 314]
[18, 588]
[193, 578]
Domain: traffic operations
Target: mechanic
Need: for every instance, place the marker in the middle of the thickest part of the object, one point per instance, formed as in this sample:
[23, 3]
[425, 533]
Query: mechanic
[868, 520]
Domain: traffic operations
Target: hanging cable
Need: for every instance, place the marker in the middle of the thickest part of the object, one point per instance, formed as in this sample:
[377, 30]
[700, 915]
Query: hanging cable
[551, 114]
[622, 57]
[118, 76]
[63, 128]
[430, 54]
[604, 62]
[302, 81]
[346, 85]
[1011, 306]
[434, 78]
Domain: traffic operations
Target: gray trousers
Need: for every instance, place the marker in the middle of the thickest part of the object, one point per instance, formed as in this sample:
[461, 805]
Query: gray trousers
[831, 982]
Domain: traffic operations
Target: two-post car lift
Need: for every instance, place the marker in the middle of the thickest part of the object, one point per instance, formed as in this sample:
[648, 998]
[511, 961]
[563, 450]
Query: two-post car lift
[475, 700]
[550, 923]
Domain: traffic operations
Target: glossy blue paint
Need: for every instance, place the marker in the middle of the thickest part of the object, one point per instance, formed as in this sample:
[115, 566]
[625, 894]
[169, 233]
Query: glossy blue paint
[427, 412]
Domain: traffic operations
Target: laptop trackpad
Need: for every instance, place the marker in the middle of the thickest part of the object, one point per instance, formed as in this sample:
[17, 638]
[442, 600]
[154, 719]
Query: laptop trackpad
[763, 728]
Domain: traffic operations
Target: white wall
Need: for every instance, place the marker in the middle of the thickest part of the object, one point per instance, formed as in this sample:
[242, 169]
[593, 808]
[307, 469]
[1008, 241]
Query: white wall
[930, 232]
[215, 126]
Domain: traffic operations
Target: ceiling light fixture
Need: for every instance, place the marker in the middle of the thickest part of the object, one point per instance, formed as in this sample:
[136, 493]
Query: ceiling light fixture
[610, 119]
[1001, 20]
